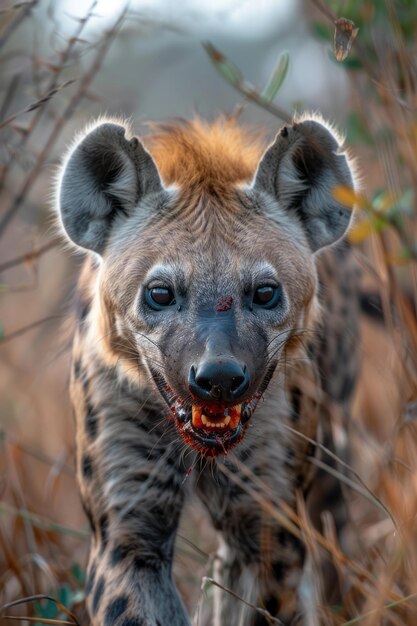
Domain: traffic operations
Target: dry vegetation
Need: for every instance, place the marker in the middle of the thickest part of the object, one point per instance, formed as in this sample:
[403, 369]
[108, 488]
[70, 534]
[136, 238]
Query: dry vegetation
[43, 534]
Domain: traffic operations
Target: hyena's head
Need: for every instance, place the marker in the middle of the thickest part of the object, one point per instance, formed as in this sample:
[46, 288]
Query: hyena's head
[207, 274]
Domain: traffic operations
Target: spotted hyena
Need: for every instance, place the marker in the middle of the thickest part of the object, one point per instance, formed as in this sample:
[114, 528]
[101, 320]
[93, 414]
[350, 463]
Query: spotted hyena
[216, 324]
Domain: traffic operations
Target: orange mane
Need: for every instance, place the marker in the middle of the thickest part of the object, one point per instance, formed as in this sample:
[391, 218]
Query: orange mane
[210, 157]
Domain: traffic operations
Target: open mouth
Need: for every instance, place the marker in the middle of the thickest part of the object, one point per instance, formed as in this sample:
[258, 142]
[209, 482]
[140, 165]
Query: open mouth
[212, 428]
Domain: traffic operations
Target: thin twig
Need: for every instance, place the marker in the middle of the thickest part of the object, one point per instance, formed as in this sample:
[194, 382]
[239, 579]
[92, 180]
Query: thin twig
[41, 596]
[60, 123]
[34, 453]
[9, 95]
[26, 8]
[37, 620]
[29, 256]
[42, 522]
[22, 331]
[266, 614]
[390, 605]
[245, 88]
[365, 491]
[251, 94]
[38, 103]
[64, 57]
[325, 10]
[287, 518]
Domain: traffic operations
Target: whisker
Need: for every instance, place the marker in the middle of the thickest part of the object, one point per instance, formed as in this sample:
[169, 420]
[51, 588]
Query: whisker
[151, 341]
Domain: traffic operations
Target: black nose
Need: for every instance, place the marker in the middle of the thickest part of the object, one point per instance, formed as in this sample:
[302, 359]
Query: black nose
[217, 379]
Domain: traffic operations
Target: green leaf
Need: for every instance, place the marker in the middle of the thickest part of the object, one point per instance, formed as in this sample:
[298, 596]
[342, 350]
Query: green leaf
[352, 63]
[64, 595]
[357, 132]
[46, 609]
[78, 573]
[277, 78]
[404, 205]
[322, 31]
[226, 68]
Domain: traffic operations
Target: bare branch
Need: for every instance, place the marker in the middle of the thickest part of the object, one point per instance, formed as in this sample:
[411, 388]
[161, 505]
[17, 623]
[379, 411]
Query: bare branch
[35, 105]
[25, 329]
[266, 614]
[29, 256]
[26, 8]
[60, 123]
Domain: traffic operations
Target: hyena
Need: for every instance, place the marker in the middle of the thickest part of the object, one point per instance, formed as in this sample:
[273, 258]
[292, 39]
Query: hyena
[216, 325]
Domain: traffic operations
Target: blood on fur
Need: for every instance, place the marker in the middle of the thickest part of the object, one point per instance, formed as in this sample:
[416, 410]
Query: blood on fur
[224, 304]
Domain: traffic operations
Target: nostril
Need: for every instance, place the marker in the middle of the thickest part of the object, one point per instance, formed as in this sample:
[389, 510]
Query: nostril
[204, 383]
[236, 382]
[215, 379]
[216, 391]
[240, 384]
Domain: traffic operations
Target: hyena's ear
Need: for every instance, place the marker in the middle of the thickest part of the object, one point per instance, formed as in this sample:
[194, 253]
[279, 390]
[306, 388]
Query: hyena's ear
[102, 181]
[301, 169]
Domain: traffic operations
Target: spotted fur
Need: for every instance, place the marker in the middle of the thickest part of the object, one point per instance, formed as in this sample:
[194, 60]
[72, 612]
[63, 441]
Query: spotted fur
[210, 212]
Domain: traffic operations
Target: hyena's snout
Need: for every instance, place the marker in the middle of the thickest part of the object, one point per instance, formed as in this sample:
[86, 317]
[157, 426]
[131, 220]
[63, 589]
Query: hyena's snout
[220, 378]
[218, 375]
[222, 390]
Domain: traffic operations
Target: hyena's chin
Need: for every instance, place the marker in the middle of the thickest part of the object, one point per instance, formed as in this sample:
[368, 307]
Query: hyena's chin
[210, 428]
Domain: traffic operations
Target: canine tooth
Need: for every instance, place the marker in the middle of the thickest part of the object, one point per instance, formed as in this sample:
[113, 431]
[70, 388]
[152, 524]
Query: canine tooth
[235, 413]
[197, 416]
[226, 421]
[204, 420]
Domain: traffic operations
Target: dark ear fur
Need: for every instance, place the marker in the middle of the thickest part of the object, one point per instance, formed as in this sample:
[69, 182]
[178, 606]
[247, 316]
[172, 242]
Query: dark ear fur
[102, 180]
[300, 170]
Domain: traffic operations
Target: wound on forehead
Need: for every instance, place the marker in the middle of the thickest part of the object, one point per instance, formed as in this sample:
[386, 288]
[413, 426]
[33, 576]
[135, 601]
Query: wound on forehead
[224, 304]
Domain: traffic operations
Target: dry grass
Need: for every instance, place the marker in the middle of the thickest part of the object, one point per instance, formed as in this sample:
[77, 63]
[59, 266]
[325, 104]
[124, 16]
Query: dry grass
[43, 533]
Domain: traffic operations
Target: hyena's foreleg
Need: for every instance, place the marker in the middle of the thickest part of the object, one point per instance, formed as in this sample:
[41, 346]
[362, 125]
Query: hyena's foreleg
[258, 560]
[134, 534]
[132, 489]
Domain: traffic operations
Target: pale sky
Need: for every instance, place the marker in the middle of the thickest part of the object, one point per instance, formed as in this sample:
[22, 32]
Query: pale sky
[240, 18]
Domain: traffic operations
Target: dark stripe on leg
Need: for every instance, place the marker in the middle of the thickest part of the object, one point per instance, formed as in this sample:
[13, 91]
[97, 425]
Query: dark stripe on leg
[98, 594]
[115, 609]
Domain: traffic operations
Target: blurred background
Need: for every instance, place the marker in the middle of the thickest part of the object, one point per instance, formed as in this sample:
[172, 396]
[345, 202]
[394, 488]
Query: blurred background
[65, 62]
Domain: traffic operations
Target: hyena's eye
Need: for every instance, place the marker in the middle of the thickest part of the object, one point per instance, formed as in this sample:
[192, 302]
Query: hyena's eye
[267, 296]
[159, 297]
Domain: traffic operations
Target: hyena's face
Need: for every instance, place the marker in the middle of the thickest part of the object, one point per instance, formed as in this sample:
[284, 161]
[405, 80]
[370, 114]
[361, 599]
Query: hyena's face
[211, 319]
[206, 293]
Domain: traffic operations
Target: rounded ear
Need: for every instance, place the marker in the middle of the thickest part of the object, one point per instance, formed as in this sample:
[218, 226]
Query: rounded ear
[300, 170]
[102, 180]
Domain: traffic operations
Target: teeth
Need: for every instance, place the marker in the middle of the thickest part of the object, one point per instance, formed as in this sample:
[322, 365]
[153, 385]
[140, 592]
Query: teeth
[232, 417]
[215, 423]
